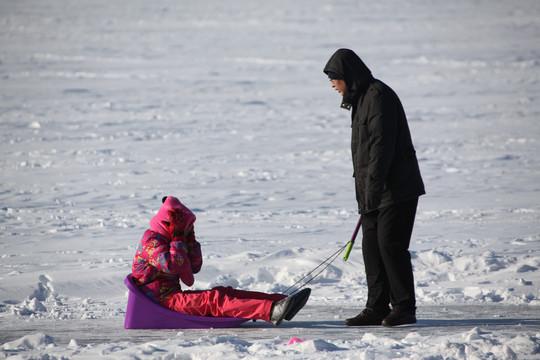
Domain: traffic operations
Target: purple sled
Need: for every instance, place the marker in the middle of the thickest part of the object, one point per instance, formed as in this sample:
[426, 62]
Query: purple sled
[144, 313]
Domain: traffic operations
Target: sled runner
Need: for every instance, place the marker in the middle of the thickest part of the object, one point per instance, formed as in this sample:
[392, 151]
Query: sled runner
[143, 313]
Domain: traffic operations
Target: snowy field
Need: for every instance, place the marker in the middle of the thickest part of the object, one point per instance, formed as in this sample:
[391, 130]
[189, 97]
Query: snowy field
[106, 106]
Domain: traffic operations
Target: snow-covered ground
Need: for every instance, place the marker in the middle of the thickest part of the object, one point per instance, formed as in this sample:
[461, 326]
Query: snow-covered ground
[106, 106]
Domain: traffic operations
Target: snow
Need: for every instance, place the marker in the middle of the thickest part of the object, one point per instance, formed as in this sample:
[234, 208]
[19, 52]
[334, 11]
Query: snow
[106, 106]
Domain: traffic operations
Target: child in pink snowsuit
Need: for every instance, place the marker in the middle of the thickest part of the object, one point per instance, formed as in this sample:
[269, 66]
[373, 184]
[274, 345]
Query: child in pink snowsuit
[169, 253]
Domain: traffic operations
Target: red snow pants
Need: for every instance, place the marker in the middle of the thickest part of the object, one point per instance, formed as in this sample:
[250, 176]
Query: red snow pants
[223, 302]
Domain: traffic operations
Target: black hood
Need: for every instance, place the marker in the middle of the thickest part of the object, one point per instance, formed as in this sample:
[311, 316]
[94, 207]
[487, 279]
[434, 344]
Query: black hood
[352, 69]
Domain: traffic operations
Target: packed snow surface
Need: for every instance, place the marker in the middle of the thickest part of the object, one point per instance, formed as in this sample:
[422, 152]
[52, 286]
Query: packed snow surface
[106, 106]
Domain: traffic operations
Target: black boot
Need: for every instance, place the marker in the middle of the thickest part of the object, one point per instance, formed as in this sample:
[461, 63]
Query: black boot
[368, 317]
[299, 300]
[400, 316]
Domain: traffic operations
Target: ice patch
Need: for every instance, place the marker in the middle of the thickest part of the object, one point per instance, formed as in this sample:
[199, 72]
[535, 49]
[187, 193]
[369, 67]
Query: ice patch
[29, 342]
[36, 304]
[493, 262]
[432, 257]
[474, 334]
[317, 345]
[34, 125]
[526, 268]
[224, 280]
[526, 345]
[45, 289]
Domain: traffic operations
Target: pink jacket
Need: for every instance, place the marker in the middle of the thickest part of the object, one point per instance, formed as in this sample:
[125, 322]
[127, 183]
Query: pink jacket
[160, 263]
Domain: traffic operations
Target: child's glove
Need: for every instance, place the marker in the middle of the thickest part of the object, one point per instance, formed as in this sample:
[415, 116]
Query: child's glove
[194, 252]
[191, 236]
[177, 223]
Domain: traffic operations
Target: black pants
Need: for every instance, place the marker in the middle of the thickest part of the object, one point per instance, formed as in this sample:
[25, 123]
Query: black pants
[385, 247]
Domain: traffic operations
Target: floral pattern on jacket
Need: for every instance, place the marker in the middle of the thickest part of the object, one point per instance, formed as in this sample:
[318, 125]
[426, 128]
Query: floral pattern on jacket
[160, 264]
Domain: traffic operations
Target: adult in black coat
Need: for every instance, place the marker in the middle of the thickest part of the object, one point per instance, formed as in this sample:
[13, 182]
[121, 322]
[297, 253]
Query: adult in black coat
[388, 184]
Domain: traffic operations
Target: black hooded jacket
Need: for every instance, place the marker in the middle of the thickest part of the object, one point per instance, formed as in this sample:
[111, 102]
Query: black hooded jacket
[385, 166]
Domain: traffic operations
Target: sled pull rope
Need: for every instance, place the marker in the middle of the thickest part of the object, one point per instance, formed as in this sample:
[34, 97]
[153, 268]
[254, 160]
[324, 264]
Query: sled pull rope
[333, 257]
[330, 260]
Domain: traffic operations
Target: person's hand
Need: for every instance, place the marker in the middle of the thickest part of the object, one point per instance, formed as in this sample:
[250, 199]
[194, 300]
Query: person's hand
[194, 250]
[177, 223]
[190, 234]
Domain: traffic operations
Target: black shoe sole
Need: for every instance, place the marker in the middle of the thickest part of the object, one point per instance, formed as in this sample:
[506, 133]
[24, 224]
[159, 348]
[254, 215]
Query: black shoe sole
[298, 303]
[347, 323]
[399, 323]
